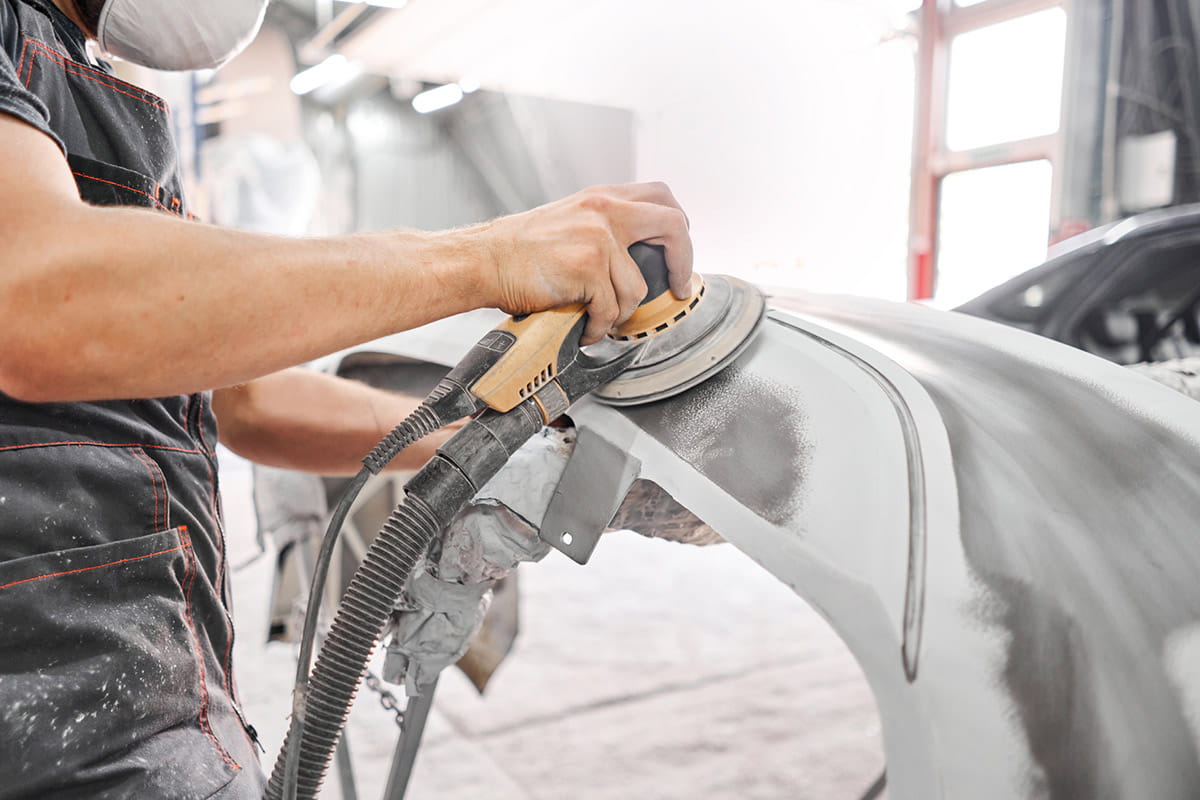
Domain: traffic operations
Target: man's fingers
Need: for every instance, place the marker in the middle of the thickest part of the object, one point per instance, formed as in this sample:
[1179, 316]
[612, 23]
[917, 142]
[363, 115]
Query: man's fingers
[651, 192]
[679, 265]
[664, 225]
[639, 222]
[602, 314]
[628, 283]
[577, 249]
[659, 192]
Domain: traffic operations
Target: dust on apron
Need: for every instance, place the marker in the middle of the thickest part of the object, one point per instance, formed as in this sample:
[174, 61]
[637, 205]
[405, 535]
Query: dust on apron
[115, 639]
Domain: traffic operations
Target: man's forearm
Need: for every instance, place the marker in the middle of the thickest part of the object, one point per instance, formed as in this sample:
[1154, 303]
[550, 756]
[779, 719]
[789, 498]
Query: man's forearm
[309, 421]
[123, 303]
[120, 303]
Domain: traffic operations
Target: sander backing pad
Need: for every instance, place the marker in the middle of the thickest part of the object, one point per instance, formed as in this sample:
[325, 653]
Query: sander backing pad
[715, 333]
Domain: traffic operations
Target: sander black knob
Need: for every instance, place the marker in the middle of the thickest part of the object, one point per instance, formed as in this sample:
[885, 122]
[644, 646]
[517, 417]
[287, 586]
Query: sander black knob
[652, 261]
[660, 309]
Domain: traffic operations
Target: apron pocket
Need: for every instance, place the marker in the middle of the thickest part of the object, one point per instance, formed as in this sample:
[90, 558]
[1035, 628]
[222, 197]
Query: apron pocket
[109, 185]
[102, 690]
[68, 497]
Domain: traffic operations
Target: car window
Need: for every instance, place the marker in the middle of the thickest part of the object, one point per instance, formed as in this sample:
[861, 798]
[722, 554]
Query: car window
[1032, 297]
[1149, 311]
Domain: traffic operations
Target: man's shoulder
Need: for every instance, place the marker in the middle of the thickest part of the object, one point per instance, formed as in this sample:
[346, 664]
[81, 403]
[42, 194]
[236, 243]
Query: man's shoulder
[10, 25]
[16, 25]
[9, 18]
[39, 20]
[16, 13]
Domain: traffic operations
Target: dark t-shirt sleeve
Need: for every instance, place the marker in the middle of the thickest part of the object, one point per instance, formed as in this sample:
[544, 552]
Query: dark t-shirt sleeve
[15, 99]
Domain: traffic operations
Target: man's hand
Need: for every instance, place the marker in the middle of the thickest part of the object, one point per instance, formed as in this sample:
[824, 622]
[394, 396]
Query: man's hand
[576, 250]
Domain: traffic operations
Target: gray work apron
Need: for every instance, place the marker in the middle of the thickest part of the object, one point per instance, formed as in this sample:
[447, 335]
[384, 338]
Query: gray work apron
[115, 638]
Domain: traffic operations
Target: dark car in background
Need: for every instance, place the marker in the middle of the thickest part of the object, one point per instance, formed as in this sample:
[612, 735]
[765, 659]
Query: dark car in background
[1128, 291]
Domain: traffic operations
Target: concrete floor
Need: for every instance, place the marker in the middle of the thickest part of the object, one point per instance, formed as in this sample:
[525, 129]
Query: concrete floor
[658, 671]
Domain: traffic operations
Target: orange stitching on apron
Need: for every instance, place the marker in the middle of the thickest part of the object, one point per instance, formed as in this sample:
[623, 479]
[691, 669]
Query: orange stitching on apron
[200, 430]
[141, 457]
[156, 478]
[189, 580]
[68, 69]
[89, 569]
[151, 197]
[99, 444]
[227, 662]
[21, 60]
[107, 76]
[73, 67]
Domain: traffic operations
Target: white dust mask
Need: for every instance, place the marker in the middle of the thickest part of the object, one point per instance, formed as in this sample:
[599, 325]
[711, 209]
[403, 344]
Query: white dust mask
[179, 34]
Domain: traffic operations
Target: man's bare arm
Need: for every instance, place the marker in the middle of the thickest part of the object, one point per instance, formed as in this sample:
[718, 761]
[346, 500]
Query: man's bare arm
[309, 421]
[101, 303]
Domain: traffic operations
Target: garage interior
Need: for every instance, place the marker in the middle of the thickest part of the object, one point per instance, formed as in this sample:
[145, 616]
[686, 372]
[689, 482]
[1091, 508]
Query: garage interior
[945, 149]
[1030, 163]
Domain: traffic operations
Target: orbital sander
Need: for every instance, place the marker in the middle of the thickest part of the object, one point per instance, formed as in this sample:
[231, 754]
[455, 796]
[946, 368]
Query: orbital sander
[667, 346]
[520, 376]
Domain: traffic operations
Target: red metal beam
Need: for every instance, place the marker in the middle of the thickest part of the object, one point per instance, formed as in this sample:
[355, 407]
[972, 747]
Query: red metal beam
[928, 134]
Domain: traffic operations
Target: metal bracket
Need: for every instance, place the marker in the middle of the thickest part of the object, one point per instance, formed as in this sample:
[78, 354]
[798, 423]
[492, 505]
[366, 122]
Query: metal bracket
[591, 489]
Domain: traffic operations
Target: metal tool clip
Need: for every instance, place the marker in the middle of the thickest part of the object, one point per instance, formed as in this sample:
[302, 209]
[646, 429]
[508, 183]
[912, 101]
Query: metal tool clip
[593, 485]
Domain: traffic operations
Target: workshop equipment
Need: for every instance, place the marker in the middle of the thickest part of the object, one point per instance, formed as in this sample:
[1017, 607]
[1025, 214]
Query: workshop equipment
[520, 376]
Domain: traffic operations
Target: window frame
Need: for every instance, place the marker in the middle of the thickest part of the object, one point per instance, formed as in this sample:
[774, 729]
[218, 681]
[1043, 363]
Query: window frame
[939, 22]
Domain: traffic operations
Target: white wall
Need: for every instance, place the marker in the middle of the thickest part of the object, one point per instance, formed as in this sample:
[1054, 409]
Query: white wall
[784, 127]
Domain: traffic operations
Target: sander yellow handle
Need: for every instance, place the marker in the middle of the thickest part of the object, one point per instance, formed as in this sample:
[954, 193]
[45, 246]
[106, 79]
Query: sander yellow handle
[525, 353]
[538, 342]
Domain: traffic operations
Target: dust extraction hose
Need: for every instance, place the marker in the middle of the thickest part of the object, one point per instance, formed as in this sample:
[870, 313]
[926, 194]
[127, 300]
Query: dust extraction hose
[434, 495]
[323, 697]
[447, 401]
[359, 623]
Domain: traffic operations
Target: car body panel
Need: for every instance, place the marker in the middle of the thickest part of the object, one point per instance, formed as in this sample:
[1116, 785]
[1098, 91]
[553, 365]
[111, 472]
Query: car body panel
[1000, 527]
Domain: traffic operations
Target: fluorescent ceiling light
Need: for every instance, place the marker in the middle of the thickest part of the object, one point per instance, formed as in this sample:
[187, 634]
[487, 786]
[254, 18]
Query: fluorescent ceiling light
[335, 69]
[437, 98]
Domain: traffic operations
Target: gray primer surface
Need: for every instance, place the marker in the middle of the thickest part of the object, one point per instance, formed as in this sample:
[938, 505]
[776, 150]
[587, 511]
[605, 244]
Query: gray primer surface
[1078, 530]
[716, 424]
[1079, 516]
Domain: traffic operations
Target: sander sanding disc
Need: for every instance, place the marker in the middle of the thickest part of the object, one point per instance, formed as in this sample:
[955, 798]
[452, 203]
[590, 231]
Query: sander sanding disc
[700, 346]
